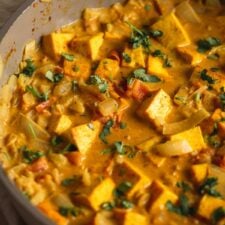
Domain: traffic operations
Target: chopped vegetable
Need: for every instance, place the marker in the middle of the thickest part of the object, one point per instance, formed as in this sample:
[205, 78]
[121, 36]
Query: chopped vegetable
[141, 74]
[29, 69]
[106, 131]
[68, 57]
[207, 44]
[30, 156]
[204, 76]
[99, 82]
[54, 77]
[208, 187]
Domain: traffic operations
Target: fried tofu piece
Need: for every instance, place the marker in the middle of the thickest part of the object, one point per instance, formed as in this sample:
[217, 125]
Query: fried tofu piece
[155, 67]
[160, 195]
[131, 218]
[199, 172]
[174, 34]
[193, 136]
[128, 171]
[190, 55]
[55, 44]
[103, 192]
[61, 124]
[148, 146]
[79, 68]
[107, 68]
[164, 6]
[136, 56]
[208, 205]
[202, 77]
[156, 108]
[84, 136]
[88, 46]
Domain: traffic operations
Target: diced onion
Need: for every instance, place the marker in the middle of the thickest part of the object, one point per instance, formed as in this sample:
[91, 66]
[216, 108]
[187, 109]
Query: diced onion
[173, 148]
[108, 107]
[192, 121]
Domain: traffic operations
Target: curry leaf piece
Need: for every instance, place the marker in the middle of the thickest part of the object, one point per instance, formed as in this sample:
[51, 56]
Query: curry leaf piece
[208, 187]
[30, 156]
[139, 38]
[68, 57]
[29, 69]
[106, 131]
[207, 44]
[99, 82]
[217, 215]
[204, 76]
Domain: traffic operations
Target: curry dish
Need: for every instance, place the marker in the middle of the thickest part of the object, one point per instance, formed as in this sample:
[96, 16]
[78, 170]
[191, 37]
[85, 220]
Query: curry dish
[119, 118]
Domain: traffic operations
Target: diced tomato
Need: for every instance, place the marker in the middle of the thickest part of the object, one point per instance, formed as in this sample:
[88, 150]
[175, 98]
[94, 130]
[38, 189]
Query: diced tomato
[75, 158]
[39, 165]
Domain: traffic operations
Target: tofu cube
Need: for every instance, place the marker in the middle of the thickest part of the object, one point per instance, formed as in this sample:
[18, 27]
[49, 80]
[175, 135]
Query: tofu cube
[156, 108]
[199, 172]
[107, 68]
[193, 136]
[147, 146]
[61, 124]
[79, 68]
[217, 76]
[88, 46]
[103, 192]
[55, 44]
[131, 218]
[190, 55]
[164, 6]
[174, 34]
[132, 173]
[155, 67]
[160, 196]
[84, 136]
[137, 57]
[208, 205]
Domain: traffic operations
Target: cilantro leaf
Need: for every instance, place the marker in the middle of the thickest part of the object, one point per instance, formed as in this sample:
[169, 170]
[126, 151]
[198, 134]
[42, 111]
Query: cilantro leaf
[99, 82]
[207, 44]
[106, 131]
[204, 76]
[140, 74]
[29, 156]
[68, 57]
[184, 186]
[126, 57]
[54, 77]
[29, 69]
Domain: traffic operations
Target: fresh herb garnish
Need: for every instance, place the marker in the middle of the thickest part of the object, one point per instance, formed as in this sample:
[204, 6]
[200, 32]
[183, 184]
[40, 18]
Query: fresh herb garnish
[29, 156]
[222, 98]
[141, 74]
[147, 7]
[183, 207]
[29, 69]
[126, 57]
[108, 206]
[54, 77]
[139, 38]
[69, 211]
[70, 181]
[208, 187]
[40, 96]
[163, 56]
[184, 186]
[123, 125]
[217, 215]
[56, 140]
[207, 44]
[158, 53]
[155, 33]
[106, 131]
[204, 76]
[68, 57]
[99, 82]
[122, 189]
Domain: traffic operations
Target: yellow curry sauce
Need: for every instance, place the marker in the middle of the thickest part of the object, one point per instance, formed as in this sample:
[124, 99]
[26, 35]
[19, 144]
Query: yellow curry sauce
[119, 118]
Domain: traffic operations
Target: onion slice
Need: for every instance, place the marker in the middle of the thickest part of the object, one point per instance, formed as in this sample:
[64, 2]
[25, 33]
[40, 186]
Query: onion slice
[173, 148]
[192, 121]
